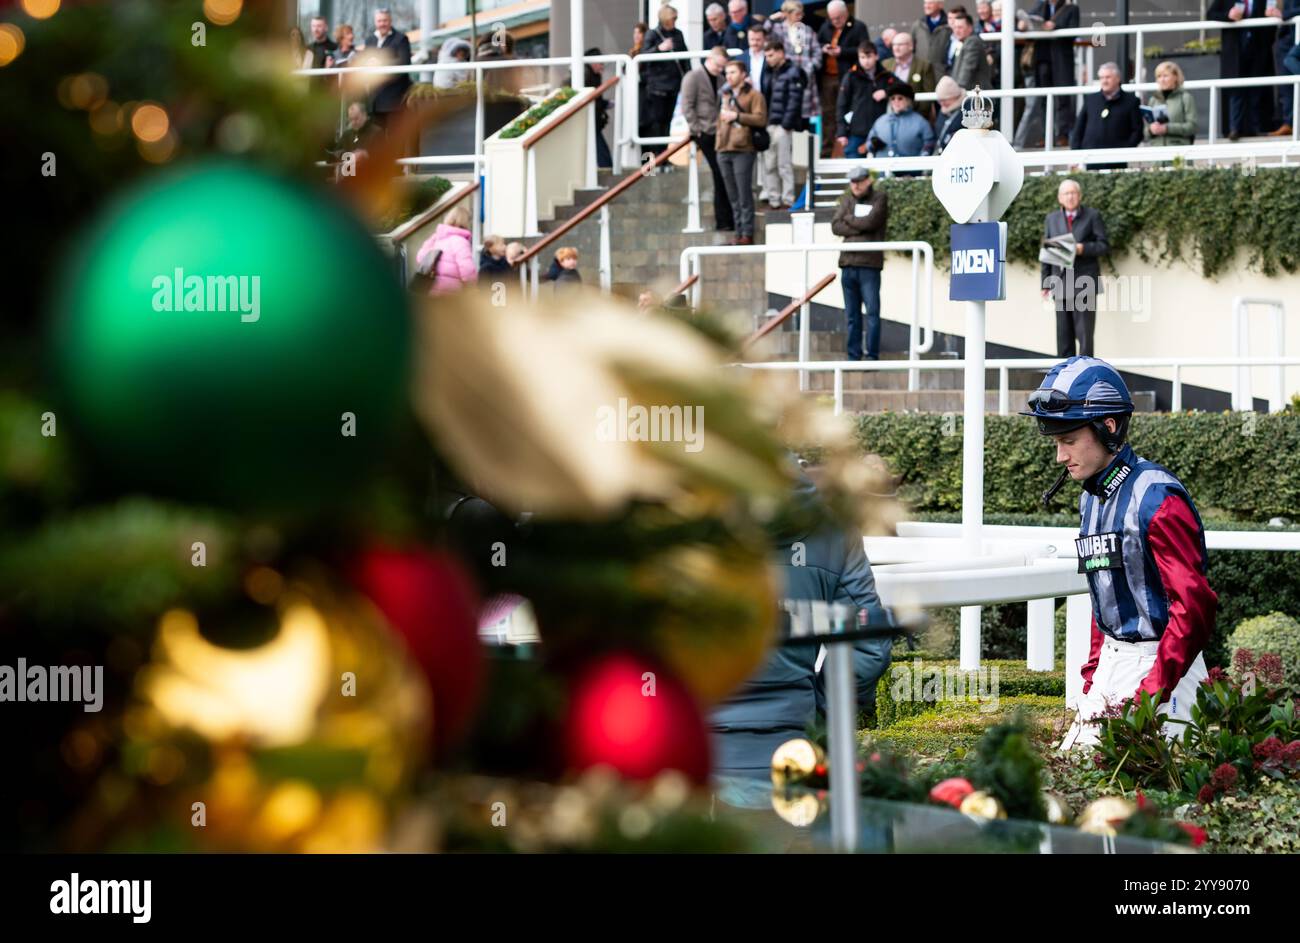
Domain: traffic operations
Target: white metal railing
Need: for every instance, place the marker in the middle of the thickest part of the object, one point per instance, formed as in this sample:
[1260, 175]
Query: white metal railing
[1004, 366]
[928, 565]
[1242, 396]
[921, 337]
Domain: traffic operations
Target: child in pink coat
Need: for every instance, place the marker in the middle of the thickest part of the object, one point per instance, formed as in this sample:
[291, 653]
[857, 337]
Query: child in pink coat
[455, 266]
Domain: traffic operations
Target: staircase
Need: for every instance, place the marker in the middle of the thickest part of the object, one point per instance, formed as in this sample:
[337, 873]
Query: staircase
[646, 241]
[939, 391]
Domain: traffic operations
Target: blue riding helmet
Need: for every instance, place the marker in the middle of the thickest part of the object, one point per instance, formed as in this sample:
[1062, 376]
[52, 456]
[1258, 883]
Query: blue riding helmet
[1079, 392]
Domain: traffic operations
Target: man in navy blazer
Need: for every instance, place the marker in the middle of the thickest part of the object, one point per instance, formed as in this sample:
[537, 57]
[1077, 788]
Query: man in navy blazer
[1074, 289]
[387, 100]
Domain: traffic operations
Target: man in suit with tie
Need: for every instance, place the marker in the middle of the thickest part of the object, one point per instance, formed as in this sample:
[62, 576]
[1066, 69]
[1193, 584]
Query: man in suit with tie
[1054, 61]
[1074, 289]
[395, 49]
[1243, 53]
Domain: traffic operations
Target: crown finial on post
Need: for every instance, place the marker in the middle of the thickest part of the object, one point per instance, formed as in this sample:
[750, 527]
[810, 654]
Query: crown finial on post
[977, 111]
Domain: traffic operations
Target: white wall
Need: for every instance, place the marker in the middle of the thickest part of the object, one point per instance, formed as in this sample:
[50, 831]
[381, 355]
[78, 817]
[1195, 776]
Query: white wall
[1179, 313]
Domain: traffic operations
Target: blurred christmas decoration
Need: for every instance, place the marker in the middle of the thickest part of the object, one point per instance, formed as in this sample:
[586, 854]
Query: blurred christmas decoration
[952, 791]
[596, 814]
[308, 741]
[202, 351]
[627, 713]
[428, 599]
[1058, 810]
[979, 804]
[1105, 816]
[796, 761]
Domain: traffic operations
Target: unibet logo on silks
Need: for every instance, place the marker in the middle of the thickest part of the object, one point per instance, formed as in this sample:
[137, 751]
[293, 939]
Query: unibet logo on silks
[1100, 552]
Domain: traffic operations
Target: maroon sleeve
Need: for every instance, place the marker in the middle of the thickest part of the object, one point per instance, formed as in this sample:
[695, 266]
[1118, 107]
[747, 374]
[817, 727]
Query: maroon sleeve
[1094, 655]
[1175, 539]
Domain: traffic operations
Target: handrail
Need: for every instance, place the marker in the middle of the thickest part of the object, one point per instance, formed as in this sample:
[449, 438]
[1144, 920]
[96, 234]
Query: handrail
[610, 194]
[788, 310]
[591, 96]
[1183, 26]
[443, 204]
[681, 289]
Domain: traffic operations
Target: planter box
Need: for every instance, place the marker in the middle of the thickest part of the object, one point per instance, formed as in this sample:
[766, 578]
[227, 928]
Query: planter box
[405, 239]
[561, 159]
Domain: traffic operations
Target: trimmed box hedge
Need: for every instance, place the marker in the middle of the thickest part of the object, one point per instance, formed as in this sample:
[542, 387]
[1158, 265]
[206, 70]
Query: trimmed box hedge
[940, 731]
[1013, 680]
[1236, 465]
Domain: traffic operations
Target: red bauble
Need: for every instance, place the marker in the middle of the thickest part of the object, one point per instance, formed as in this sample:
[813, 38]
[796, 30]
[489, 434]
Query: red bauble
[952, 791]
[614, 720]
[430, 601]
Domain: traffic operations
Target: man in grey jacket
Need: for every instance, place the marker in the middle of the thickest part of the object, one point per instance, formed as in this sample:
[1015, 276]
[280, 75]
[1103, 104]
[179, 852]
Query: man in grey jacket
[970, 65]
[822, 563]
[700, 106]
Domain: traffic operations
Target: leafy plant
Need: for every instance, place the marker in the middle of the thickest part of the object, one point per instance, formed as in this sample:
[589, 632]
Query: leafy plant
[1274, 634]
[1133, 749]
[1161, 218]
[533, 116]
[1006, 765]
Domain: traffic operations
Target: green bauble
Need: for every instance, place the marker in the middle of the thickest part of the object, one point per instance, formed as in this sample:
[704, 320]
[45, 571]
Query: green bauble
[289, 322]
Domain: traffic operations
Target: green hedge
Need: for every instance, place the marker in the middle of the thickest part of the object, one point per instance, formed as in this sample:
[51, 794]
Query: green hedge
[1241, 465]
[1013, 680]
[1160, 217]
[957, 727]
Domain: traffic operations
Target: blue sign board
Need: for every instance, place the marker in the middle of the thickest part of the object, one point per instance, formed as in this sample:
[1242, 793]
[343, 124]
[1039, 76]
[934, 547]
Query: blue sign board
[979, 255]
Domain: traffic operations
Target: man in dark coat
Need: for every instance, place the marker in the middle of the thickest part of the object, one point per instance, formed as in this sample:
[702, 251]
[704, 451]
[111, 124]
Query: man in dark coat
[864, 97]
[662, 80]
[387, 100]
[825, 565]
[1054, 61]
[931, 34]
[1074, 289]
[840, 37]
[1246, 53]
[862, 215]
[1111, 117]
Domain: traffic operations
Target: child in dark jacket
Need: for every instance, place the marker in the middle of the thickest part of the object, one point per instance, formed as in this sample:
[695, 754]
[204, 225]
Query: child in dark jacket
[564, 269]
[493, 266]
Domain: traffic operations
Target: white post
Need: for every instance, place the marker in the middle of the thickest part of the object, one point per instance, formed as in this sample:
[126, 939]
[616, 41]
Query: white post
[805, 335]
[1008, 69]
[1138, 65]
[1049, 121]
[841, 733]
[1039, 654]
[1078, 642]
[1177, 404]
[914, 340]
[1279, 398]
[606, 264]
[1214, 114]
[530, 195]
[576, 31]
[972, 472]
[693, 194]
[590, 182]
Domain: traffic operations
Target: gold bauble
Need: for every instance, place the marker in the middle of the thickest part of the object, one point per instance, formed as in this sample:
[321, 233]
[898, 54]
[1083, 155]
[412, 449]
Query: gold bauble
[795, 761]
[1058, 810]
[1103, 815]
[981, 805]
